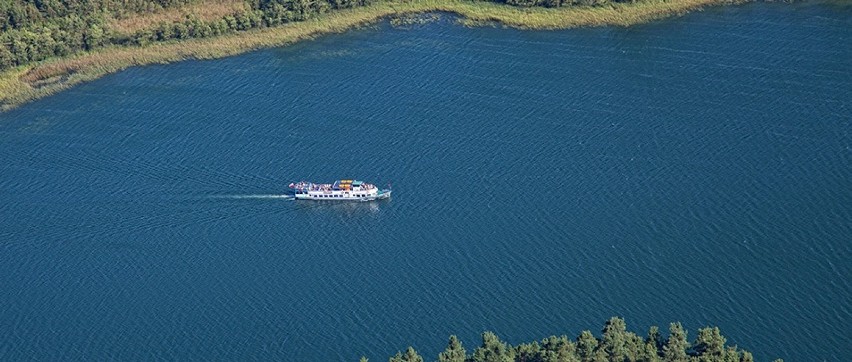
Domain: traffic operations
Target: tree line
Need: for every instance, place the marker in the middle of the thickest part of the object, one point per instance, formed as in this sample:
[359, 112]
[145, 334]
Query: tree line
[34, 30]
[616, 344]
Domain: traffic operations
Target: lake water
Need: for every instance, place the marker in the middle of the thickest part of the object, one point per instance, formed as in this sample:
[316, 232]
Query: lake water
[696, 169]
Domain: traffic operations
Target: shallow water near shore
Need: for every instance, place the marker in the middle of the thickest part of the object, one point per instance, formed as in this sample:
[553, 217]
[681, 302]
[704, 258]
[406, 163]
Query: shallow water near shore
[695, 169]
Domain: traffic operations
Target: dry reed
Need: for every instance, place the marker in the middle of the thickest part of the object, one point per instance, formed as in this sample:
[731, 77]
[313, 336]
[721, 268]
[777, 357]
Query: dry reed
[206, 10]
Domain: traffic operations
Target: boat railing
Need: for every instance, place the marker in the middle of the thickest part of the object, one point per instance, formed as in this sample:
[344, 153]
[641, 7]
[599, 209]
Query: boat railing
[309, 186]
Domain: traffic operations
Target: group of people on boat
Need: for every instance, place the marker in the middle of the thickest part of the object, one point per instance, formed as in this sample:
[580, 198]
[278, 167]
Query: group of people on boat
[309, 186]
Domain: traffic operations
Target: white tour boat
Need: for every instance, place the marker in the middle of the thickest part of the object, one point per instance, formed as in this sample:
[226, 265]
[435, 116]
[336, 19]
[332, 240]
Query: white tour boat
[339, 190]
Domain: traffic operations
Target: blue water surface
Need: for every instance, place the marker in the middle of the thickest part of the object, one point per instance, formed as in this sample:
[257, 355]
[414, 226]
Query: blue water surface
[695, 169]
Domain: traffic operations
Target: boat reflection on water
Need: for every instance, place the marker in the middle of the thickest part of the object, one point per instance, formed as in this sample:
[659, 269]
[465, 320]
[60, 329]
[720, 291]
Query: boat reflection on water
[349, 209]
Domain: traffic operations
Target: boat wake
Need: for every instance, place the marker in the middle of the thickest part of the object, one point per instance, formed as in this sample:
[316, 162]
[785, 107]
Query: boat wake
[255, 196]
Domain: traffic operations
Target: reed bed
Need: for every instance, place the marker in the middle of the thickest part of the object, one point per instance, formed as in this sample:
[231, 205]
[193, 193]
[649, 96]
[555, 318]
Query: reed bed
[206, 10]
[26, 83]
[617, 14]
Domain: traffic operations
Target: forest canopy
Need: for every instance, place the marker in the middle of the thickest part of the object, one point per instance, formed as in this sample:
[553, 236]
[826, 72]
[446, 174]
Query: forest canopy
[616, 344]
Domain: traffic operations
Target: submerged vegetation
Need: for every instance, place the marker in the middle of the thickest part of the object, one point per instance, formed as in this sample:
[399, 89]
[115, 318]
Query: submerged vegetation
[615, 344]
[49, 45]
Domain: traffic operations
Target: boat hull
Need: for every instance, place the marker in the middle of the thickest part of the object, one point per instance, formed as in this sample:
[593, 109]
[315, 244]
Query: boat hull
[381, 194]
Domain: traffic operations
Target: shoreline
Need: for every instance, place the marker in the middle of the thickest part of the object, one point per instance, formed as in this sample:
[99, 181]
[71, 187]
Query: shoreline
[27, 83]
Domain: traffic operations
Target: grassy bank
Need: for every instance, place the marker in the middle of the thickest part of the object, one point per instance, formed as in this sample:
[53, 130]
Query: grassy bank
[26, 83]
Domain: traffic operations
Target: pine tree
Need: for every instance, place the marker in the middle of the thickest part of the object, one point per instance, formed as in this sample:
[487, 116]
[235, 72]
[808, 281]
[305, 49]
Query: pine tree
[556, 349]
[731, 354]
[655, 337]
[409, 356]
[412, 356]
[635, 347]
[651, 353]
[493, 350]
[614, 339]
[586, 346]
[530, 352]
[454, 352]
[676, 345]
[710, 342]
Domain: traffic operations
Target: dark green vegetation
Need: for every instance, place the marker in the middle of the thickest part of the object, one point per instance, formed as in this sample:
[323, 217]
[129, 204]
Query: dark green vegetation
[34, 30]
[616, 344]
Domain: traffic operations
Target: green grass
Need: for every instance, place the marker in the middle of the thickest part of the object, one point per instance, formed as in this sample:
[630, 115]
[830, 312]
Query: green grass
[26, 83]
